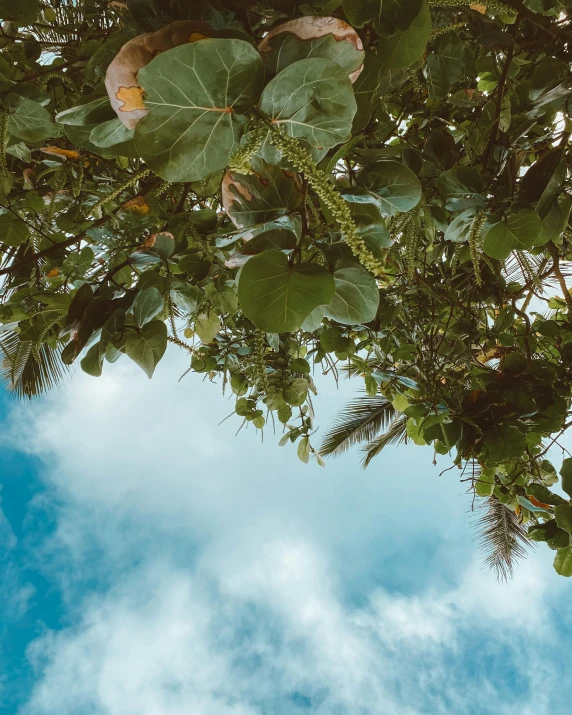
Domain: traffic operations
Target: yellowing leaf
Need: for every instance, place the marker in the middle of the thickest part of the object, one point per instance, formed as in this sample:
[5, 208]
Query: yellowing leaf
[131, 98]
[138, 205]
[66, 153]
[478, 7]
[196, 36]
[53, 273]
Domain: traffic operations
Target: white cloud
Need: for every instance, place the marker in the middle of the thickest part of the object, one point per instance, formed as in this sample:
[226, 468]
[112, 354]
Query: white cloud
[245, 560]
[167, 642]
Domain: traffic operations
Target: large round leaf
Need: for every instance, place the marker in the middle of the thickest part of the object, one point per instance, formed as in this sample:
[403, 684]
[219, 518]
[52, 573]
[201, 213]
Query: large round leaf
[13, 231]
[28, 120]
[313, 36]
[276, 296]
[312, 100]
[264, 195]
[563, 562]
[396, 188]
[519, 233]
[147, 346]
[356, 298]
[403, 48]
[196, 95]
[388, 16]
[121, 78]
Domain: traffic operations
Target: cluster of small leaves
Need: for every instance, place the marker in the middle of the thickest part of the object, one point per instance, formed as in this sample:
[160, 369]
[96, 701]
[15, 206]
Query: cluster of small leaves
[375, 187]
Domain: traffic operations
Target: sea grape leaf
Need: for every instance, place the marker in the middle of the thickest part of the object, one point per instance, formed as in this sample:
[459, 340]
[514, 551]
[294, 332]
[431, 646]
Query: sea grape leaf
[147, 346]
[310, 37]
[312, 100]
[563, 516]
[197, 95]
[277, 296]
[148, 304]
[28, 120]
[264, 195]
[92, 112]
[462, 188]
[110, 133]
[566, 475]
[505, 442]
[388, 16]
[519, 233]
[207, 326]
[13, 231]
[402, 49]
[395, 187]
[563, 562]
[356, 296]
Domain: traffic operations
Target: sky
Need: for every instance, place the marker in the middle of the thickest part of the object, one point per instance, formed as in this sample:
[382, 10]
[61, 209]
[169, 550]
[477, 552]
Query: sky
[153, 563]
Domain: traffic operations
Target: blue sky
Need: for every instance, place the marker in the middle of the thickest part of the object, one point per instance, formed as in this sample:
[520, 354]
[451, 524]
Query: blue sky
[155, 564]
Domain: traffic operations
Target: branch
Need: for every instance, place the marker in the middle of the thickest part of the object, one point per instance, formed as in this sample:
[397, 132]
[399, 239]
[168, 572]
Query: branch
[537, 20]
[53, 249]
[558, 273]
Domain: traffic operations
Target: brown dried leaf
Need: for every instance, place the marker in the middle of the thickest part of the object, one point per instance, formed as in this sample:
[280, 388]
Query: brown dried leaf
[121, 75]
[311, 28]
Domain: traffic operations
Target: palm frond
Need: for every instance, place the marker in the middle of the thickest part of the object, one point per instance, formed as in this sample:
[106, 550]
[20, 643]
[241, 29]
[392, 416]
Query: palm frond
[502, 538]
[360, 421]
[28, 372]
[396, 433]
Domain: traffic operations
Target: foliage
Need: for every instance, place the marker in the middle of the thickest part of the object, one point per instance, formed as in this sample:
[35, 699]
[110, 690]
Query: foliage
[377, 186]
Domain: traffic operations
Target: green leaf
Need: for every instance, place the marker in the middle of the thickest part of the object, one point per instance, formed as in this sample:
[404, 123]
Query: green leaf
[13, 231]
[563, 516]
[356, 298]
[395, 187]
[92, 363]
[504, 443]
[92, 112]
[311, 100]
[276, 296]
[185, 296]
[110, 133]
[485, 483]
[566, 474]
[28, 120]
[459, 229]
[147, 346]
[403, 48]
[388, 16]
[148, 304]
[461, 188]
[518, 233]
[264, 195]
[197, 94]
[207, 326]
[316, 37]
[370, 224]
[563, 562]
[446, 65]
[304, 450]
[296, 392]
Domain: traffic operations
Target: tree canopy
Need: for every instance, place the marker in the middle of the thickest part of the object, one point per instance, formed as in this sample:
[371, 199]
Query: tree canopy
[379, 189]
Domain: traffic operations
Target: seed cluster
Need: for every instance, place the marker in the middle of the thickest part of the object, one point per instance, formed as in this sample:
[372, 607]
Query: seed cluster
[321, 184]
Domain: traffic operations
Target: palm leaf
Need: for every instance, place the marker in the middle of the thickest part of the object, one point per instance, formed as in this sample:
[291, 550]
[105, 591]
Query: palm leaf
[26, 371]
[396, 433]
[360, 421]
[502, 538]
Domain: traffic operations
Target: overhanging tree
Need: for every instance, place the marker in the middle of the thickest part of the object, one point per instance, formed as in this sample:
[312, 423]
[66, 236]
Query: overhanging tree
[375, 187]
